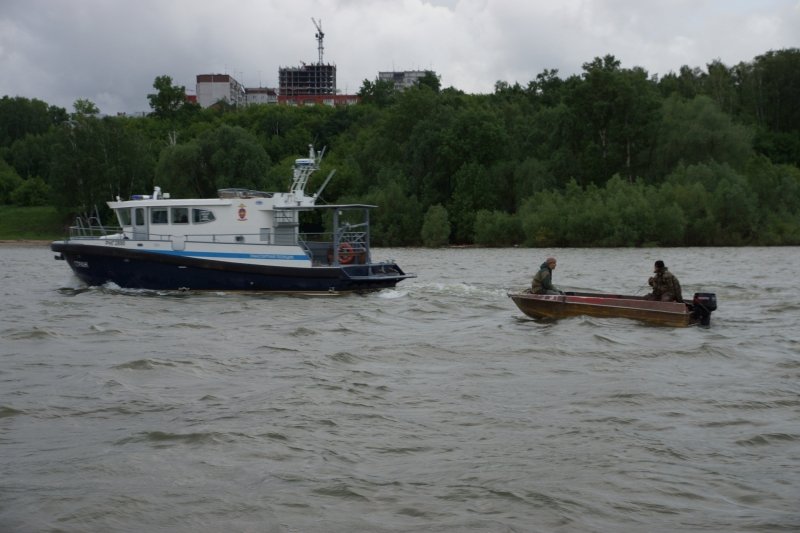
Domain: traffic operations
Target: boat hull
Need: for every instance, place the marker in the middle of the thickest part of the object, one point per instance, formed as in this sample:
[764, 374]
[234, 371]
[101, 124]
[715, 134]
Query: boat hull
[675, 314]
[96, 265]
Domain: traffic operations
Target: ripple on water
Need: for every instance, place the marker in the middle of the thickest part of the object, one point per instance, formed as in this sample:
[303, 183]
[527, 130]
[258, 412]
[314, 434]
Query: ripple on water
[303, 332]
[144, 364]
[341, 491]
[768, 438]
[34, 333]
[7, 412]
[344, 357]
[165, 438]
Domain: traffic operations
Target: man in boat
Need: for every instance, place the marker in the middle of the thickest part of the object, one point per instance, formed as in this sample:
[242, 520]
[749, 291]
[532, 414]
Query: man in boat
[543, 280]
[666, 287]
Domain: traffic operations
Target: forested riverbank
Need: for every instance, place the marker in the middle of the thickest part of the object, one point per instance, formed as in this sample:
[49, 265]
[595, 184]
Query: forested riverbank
[615, 156]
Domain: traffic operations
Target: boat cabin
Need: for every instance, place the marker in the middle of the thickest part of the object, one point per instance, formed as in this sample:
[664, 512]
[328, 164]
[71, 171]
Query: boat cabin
[243, 216]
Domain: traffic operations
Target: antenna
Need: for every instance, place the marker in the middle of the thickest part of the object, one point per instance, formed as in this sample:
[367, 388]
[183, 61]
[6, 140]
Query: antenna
[319, 35]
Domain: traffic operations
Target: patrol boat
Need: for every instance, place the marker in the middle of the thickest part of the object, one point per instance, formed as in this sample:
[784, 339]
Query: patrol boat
[243, 240]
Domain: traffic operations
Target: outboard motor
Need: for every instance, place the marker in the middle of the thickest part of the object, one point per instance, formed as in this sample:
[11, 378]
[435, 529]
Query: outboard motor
[703, 304]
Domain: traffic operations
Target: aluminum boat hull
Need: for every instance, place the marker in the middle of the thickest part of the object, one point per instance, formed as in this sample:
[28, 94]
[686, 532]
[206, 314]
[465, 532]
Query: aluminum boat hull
[675, 314]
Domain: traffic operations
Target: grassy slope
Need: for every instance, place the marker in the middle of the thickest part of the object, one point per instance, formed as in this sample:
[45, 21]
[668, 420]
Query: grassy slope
[34, 223]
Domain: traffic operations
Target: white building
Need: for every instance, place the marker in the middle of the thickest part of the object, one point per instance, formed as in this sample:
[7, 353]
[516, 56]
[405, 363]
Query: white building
[213, 88]
[261, 95]
[404, 79]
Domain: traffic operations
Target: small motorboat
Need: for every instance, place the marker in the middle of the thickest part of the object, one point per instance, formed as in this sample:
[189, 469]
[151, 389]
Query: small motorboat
[243, 240]
[570, 304]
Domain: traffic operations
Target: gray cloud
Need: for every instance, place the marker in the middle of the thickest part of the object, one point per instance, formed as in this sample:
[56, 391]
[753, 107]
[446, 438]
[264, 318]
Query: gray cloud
[110, 51]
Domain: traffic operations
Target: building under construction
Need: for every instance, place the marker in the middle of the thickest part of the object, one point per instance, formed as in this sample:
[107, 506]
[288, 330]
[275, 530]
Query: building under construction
[316, 79]
[303, 85]
[307, 79]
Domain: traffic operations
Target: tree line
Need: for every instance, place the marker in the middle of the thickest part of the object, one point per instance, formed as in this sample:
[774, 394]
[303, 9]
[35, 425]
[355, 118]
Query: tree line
[609, 157]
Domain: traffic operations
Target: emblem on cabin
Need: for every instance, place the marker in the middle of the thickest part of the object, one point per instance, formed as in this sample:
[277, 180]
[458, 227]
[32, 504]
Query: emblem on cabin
[242, 212]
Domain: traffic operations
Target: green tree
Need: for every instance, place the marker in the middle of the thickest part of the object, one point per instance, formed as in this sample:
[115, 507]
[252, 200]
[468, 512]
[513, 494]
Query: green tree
[9, 180]
[542, 219]
[95, 160]
[31, 192]
[616, 117]
[30, 156]
[180, 170]
[85, 108]
[379, 93]
[718, 84]
[435, 227]
[685, 84]
[547, 90]
[734, 208]
[220, 158]
[777, 74]
[168, 98]
[497, 228]
[22, 116]
[473, 189]
[430, 79]
[396, 222]
[697, 131]
[530, 176]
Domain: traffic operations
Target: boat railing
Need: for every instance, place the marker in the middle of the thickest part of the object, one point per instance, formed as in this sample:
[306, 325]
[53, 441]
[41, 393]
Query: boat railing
[352, 247]
[89, 225]
[347, 246]
[356, 239]
[226, 238]
[88, 229]
[262, 238]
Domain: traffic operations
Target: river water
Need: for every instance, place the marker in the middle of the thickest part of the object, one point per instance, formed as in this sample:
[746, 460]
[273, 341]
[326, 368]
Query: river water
[436, 406]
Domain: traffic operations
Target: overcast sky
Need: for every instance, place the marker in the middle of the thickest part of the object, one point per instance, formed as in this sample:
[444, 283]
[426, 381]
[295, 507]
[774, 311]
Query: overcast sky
[111, 51]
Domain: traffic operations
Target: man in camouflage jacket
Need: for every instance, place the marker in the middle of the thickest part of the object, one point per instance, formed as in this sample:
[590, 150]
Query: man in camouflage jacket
[666, 287]
[543, 280]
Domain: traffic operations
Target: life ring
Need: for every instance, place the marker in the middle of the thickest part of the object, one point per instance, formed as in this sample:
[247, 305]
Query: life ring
[346, 253]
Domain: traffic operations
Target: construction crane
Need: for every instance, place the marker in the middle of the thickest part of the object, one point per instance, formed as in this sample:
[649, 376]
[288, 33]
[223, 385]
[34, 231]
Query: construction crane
[319, 36]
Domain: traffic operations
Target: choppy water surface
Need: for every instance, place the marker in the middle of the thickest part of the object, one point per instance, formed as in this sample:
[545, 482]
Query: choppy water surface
[433, 407]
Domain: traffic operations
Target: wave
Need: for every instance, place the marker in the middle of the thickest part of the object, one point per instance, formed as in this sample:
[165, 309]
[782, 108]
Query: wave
[163, 438]
[341, 491]
[144, 364]
[768, 438]
[391, 294]
[302, 332]
[344, 357]
[7, 412]
[458, 289]
[35, 333]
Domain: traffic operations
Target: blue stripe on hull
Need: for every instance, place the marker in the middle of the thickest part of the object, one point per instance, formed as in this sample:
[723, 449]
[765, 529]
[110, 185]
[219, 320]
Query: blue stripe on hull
[232, 255]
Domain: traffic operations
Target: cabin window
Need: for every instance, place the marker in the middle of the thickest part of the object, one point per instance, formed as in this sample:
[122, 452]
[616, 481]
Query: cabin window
[139, 216]
[124, 216]
[202, 216]
[180, 215]
[158, 215]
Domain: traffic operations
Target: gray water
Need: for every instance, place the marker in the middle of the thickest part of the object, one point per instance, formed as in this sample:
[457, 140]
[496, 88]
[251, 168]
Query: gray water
[436, 406]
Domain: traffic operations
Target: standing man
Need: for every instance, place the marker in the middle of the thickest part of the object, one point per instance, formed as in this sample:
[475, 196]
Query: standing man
[666, 287]
[543, 280]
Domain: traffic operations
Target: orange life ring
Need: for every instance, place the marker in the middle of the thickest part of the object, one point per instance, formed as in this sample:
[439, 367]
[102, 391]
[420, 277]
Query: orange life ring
[346, 253]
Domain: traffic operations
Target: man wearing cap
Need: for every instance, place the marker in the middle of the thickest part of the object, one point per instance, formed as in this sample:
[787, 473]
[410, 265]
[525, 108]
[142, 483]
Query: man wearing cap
[543, 280]
[666, 287]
